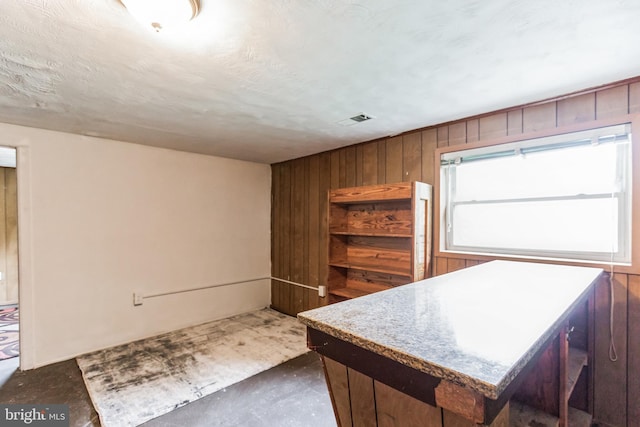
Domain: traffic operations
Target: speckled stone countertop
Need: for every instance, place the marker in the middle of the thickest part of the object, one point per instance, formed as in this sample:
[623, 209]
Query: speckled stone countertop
[476, 327]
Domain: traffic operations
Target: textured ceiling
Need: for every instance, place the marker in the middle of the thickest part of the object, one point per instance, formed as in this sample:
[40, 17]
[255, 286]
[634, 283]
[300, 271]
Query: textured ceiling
[269, 80]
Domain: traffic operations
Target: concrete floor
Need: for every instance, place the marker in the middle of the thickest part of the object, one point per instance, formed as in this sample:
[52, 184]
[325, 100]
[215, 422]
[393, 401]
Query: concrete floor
[57, 383]
[291, 394]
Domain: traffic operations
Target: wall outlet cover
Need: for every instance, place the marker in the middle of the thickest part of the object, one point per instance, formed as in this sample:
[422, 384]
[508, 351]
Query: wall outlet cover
[137, 298]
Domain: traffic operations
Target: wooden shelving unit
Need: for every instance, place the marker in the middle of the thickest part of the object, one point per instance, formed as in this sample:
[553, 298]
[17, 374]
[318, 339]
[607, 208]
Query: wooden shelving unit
[521, 415]
[577, 360]
[561, 377]
[379, 237]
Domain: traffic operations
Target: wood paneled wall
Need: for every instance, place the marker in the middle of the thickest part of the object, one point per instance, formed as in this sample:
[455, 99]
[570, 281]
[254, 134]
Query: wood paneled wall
[299, 226]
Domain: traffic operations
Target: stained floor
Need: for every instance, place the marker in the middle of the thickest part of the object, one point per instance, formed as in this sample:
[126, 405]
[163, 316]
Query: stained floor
[291, 394]
[57, 383]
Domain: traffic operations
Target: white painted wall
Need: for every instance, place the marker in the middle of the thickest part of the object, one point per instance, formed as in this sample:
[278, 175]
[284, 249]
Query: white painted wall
[101, 218]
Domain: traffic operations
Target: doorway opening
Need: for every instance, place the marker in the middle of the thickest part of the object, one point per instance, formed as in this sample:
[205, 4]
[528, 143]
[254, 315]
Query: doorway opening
[9, 280]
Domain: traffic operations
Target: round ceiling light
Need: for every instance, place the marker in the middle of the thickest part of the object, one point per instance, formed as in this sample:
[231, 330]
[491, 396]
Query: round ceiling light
[162, 14]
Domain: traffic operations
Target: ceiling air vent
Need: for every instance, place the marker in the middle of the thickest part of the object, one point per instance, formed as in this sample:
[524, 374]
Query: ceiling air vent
[355, 120]
[361, 118]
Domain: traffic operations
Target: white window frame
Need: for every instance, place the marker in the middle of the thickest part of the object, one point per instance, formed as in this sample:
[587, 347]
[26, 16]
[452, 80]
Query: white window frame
[627, 262]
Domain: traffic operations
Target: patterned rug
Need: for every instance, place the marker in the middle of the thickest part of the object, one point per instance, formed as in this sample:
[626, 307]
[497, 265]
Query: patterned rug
[9, 343]
[133, 383]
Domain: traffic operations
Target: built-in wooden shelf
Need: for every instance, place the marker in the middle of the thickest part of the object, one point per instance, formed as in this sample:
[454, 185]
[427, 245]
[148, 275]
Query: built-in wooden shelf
[354, 290]
[521, 415]
[374, 268]
[578, 418]
[577, 360]
[371, 233]
[379, 238]
[555, 392]
[373, 193]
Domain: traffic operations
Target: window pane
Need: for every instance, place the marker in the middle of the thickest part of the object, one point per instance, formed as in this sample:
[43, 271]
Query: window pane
[589, 225]
[567, 196]
[563, 172]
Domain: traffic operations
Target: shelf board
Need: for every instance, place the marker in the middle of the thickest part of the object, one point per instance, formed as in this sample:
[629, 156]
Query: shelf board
[369, 234]
[578, 418]
[376, 269]
[521, 415]
[372, 193]
[355, 290]
[359, 201]
[577, 360]
[348, 292]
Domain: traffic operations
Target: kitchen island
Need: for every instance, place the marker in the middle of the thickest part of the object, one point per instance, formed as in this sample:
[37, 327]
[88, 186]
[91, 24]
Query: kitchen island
[450, 350]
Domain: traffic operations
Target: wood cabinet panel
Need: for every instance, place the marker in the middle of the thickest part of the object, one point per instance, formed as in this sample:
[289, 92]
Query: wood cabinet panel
[397, 409]
[449, 419]
[540, 388]
[361, 394]
[338, 383]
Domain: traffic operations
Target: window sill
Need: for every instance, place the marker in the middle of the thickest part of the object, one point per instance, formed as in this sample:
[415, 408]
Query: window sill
[484, 257]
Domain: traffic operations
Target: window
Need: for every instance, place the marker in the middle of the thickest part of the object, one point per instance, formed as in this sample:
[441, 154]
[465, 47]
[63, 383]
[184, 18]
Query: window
[562, 197]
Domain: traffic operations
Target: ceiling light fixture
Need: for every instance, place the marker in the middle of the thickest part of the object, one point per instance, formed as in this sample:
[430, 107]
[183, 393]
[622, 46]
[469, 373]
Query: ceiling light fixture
[162, 14]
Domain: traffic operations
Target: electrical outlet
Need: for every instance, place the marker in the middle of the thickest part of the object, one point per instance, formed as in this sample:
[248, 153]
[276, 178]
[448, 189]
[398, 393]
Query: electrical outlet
[137, 298]
[322, 291]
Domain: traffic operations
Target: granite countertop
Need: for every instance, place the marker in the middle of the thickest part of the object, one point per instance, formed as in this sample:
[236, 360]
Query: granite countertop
[476, 327]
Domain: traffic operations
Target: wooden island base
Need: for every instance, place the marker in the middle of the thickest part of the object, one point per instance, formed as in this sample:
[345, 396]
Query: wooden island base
[461, 349]
[359, 400]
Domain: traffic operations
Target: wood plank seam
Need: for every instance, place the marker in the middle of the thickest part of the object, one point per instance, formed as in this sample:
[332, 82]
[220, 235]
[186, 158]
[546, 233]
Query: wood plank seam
[350, 401]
